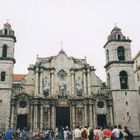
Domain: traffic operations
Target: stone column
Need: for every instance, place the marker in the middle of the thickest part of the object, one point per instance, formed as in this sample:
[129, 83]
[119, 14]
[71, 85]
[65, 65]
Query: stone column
[36, 81]
[88, 79]
[94, 115]
[41, 83]
[41, 118]
[90, 114]
[53, 117]
[73, 114]
[49, 118]
[52, 82]
[85, 113]
[111, 115]
[72, 82]
[85, 85]
[12, 116]
[35, 115]
[31, 118]
[111, 112]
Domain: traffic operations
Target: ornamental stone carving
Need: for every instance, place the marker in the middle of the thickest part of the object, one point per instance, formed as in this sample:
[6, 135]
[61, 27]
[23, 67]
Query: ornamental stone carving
[79, 86]
[62, 103]
[46, 86]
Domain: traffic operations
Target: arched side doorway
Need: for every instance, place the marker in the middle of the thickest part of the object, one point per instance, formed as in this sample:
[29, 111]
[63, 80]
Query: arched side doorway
[22, 121]
[101, 120]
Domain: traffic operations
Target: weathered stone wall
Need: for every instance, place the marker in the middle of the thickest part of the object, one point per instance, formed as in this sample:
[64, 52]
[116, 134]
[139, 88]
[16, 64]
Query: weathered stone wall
[125, 109]
[5, 107]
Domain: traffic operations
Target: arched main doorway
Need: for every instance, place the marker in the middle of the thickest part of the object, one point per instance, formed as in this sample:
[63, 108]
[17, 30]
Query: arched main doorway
[62, 117]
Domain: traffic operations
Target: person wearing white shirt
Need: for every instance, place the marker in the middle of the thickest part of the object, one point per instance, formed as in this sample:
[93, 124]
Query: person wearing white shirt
[116, 133]
[77, 133]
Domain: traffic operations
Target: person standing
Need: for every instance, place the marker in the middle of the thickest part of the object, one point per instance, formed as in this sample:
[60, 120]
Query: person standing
[121, 136]
[24, 135]
[66, 132]
[98, 134]
[52, 133]
[9, 134]
[77, 133]
[91, 134]
[129, 135]
[116, 133]
[107, 133]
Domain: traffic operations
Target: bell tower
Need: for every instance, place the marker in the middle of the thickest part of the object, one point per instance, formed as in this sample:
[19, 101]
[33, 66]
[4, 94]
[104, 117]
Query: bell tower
[7, 43]
[120, 79]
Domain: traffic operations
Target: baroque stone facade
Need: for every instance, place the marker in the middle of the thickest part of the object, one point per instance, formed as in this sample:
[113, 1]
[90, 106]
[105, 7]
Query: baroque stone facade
[61, 91]
[60, 84]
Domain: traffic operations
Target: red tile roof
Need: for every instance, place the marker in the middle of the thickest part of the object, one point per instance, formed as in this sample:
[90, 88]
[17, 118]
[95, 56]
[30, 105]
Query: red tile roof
[18, 77]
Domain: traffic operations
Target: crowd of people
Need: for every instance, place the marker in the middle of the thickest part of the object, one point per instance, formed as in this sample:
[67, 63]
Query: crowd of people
[85, 133]
[99, 133]
[79, 133]
[10, 134]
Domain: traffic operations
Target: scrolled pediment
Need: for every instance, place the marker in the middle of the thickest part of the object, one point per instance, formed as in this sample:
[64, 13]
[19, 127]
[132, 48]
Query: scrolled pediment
[62, 103]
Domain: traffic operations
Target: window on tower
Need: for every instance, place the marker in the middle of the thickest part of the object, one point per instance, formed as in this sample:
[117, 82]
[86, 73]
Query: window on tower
[119, 37]
[123, 80]
[5, 31]
[121, 53]
[3, 75]
[4, 51]
[108, 80]
[107, 54]
[139, 90]
[138, 77]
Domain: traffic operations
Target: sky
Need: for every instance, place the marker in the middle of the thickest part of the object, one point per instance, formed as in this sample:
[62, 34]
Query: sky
[82, 25]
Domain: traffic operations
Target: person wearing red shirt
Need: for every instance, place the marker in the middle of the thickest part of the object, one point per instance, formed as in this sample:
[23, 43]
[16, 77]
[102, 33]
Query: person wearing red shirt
[107, 133]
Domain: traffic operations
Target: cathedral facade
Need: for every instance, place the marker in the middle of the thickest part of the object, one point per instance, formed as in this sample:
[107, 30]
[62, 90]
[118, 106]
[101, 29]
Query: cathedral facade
[61, 91]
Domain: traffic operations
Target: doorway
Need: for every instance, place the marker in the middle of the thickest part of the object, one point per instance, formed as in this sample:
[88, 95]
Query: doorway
[22, 121]
[62, 117]
[101, 120]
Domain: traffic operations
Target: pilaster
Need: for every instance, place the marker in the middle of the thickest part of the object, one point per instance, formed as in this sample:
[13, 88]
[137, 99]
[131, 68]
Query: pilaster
[35, 126]
[85, 82]
[41, 117]
[90, 114]
[41, 83]
[73, 110]
[52, 81]
[31, 118]
[49, 117]
[110, 104]
[85, 113]
[94, 114]
[72, 82]
[88, 79]
[53, 117]
[12, 114]
[36, 81]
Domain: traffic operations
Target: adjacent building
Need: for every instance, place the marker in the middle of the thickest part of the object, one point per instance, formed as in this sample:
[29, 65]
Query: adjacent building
[136, 65]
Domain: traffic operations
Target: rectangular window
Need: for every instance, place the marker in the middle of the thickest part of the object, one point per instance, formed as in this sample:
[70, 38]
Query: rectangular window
[4, 51]
[139, 91]
[3, 74]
